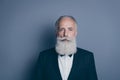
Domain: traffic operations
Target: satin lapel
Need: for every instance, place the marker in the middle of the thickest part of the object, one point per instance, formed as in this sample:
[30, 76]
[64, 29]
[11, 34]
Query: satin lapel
[55, 66]
[75, 66]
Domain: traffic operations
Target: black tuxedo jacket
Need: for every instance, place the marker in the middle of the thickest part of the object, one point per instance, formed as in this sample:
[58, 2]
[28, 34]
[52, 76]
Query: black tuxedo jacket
[83, 67]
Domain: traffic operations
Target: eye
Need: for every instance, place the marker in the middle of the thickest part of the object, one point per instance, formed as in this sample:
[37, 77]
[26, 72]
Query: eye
[60, 29]
[70, 29]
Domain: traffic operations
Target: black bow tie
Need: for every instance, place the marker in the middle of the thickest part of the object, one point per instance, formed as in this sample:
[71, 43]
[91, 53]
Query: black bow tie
[64, 55]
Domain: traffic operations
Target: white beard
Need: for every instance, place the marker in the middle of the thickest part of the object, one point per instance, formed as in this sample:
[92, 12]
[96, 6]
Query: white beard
[66, 47]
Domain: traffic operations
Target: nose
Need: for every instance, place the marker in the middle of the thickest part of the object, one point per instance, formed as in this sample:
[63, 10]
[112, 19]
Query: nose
[65, 33]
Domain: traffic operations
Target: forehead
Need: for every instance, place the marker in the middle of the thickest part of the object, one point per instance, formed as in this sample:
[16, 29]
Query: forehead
[67, 22]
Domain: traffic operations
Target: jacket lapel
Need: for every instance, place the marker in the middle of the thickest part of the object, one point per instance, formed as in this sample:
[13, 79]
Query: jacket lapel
[56, 66]
[74, 67]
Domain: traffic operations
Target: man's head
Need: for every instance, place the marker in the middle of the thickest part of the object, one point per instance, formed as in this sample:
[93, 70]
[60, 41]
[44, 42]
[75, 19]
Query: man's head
[66, 27]
[66, 35]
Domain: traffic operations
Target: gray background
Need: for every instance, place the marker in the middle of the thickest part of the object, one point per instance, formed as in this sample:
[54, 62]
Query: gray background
[27, 27]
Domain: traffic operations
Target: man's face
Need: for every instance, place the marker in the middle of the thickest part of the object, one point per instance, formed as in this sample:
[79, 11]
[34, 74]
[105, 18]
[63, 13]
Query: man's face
[67, 28]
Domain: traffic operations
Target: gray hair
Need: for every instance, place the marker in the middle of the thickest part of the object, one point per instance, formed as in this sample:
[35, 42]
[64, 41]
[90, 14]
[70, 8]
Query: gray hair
[61, 17]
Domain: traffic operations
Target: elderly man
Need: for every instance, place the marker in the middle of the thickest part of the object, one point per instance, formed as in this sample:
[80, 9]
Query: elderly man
[66, 61]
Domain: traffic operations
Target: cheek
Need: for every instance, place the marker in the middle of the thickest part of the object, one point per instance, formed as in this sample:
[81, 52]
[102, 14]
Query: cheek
[60, 34]
[72, 34]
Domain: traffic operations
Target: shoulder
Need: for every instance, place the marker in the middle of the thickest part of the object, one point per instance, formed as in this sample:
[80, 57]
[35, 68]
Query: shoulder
[46, 55]
[47, 52]
[81, 51]
[85, 54]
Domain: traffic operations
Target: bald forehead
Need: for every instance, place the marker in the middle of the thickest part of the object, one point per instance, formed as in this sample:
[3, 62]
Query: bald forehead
[66, 20]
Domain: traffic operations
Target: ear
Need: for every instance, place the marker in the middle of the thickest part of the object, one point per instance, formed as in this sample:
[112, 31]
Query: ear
[75, 30]
[56, 33]
[76, 33]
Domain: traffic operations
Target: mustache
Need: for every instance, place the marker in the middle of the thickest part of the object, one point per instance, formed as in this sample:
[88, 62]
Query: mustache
[64, 39]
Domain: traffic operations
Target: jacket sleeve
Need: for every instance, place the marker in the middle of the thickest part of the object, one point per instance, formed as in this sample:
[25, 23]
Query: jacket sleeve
[39, 72]
[92, 75]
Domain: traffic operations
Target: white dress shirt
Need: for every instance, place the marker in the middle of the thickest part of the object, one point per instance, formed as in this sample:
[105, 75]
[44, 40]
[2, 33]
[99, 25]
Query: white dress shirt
[65, 65]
